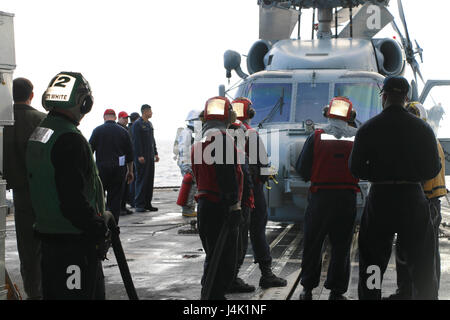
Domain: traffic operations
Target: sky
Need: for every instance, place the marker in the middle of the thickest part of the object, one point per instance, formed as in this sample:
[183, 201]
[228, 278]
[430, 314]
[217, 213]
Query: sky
[168, 54]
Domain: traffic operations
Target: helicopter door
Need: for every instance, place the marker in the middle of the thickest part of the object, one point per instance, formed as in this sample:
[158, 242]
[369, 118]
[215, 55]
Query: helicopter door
[435, 98]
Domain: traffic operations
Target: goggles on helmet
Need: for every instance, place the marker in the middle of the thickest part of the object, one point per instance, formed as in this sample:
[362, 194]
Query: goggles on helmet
[340, 108]
[217, 108]
[241, 107]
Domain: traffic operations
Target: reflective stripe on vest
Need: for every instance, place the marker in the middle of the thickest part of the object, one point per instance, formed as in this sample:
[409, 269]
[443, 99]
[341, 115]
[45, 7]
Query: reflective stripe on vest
[41, 177]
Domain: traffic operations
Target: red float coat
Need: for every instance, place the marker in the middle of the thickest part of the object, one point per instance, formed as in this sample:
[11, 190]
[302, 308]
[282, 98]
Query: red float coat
[330, 166]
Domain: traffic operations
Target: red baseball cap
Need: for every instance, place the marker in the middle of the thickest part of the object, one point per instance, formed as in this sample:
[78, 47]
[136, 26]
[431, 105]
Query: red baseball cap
[109, 111]
[123, 114]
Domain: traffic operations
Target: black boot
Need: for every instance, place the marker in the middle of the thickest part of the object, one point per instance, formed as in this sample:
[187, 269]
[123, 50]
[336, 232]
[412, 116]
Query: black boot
[238, 285]
[268, 279]
[336, 296]
[306, 294]
[399, 295]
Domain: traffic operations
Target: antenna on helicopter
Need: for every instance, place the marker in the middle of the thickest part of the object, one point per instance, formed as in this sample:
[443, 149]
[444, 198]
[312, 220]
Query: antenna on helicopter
[336, 22]
[299, 22]
[351, 21]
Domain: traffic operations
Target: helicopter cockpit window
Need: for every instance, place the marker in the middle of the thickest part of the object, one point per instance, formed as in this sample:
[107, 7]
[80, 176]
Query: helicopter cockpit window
[364, 96]
[272, 101]
[310, 102]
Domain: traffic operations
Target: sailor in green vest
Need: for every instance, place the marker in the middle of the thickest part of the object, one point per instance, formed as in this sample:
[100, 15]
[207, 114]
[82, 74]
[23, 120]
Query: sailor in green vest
[67, 194]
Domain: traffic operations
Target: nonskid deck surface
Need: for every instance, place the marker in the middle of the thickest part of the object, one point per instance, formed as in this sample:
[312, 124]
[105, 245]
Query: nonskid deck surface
[166, 260]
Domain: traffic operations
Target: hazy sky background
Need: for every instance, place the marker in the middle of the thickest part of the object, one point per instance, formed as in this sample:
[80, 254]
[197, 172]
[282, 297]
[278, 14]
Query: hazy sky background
[168, 54]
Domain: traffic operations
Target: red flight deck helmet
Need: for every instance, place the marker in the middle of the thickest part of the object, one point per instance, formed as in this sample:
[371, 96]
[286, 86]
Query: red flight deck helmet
[243, 109]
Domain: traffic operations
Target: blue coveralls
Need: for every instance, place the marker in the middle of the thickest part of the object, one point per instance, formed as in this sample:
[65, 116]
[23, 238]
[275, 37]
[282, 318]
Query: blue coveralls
[144, 146]
[111, 142]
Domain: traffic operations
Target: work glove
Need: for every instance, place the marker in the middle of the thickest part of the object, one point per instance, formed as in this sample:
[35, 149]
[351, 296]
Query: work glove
[109, 220]
[104, 243]
[103, 246]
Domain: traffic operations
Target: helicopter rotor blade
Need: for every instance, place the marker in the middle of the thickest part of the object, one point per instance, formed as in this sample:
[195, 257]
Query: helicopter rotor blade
[402, 38]
[420, 74]
[394, 25]
[419, 51]
[416, 70]
[415, 75]
[402, 17]
[408, 46]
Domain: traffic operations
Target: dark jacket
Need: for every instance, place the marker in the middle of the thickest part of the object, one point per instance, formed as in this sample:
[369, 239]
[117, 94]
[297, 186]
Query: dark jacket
[15, 144]
[395, 146]
[110, 141]
[143, 140]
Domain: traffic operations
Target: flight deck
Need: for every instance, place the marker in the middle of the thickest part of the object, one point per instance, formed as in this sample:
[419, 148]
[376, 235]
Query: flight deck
[165, 257]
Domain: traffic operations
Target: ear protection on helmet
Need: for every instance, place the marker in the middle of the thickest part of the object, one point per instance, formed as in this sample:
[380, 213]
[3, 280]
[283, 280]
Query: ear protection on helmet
[43, 101]
[201, 116]
[325, 111]
[242, 106]
[352, 116]
[233, 115]
[84, 100]
[251, 112]
[84, 97]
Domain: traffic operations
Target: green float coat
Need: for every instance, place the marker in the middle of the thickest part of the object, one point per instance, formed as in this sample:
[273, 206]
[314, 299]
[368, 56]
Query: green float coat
[41, 177]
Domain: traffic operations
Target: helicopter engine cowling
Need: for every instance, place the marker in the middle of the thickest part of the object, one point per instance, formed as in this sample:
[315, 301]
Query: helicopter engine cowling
[256, 59]
[390, 57]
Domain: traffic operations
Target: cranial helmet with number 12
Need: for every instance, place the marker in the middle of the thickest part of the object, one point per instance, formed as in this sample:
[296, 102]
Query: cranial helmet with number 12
[68, 90]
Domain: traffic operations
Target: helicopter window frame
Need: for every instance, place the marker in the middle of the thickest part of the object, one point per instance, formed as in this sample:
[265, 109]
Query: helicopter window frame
[360, 81]
[274, 81]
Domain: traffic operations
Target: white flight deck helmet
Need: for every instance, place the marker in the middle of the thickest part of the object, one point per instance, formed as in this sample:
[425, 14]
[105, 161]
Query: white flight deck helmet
[192, 116]
[418, 110]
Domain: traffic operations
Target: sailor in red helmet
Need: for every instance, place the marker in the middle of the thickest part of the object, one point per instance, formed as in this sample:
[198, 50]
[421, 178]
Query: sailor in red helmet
[238, 131]
[219, 181]
[258, 159]
[331, 206]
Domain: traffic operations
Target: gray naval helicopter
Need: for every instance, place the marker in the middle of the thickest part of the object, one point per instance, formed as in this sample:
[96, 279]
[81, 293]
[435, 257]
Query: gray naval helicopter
[291, 80]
